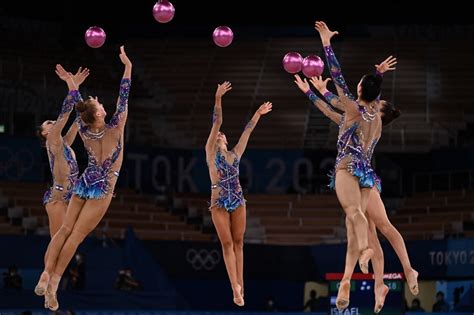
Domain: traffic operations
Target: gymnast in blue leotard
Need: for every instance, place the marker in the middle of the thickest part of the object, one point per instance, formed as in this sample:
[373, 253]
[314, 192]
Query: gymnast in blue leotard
[94, 189]
[227, 207]
[62, 160]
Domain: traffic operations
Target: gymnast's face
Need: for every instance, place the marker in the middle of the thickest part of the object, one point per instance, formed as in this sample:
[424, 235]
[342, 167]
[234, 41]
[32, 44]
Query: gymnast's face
[221, 139]
[46, 127]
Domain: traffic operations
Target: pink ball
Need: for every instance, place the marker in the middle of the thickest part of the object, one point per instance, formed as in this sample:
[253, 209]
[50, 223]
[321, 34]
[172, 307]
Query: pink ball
[313, 66]
[95, 37]
[223, 36]
[163, 11]
[292, 62]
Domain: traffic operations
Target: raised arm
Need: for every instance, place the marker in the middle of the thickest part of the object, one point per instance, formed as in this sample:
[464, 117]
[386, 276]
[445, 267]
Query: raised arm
[387, 65]
[239, 149]
[71, 133]
[333, 64]
[222, 89]
[330, 97]
[347, 100]
[77, 80]
[71, 99]
[68, 104]
[119, 118]
[324, 107]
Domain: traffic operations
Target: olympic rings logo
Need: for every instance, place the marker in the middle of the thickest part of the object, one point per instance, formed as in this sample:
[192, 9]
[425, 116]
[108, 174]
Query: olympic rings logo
[203, 258]
[14, 164]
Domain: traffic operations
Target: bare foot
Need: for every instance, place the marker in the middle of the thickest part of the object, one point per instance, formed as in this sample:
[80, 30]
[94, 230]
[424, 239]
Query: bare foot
[53, 303]
[238, 298]
[342, 300]
[380, 294]
[364, 259]
[42, 285]
[412, 280]
[241, 283]
[46, 301]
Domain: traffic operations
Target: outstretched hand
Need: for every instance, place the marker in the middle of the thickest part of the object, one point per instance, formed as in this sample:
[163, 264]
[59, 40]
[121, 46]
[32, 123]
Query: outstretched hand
[386, 65]
[62, 73]
[75, 79]
[265, 108]
[319, 83]
[123, 57]
[80, 75]
[302, 84]
[223, 88]
[324, 31]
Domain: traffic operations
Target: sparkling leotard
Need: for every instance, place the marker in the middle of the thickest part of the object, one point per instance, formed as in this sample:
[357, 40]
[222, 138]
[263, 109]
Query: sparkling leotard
[357, 139]
[99, 178]
[62, 160]
[230, 191]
